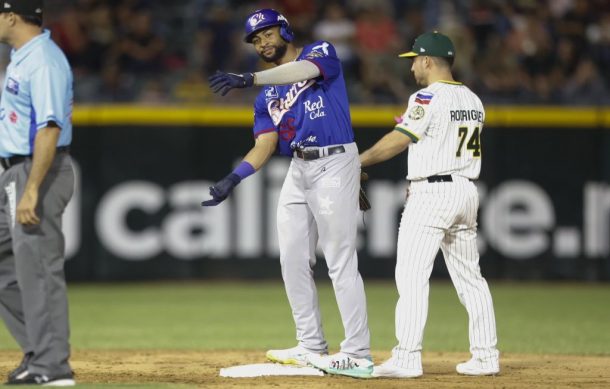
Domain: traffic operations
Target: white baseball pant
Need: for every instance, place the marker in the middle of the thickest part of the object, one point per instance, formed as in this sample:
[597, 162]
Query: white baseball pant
[441, 214]
[319, 203]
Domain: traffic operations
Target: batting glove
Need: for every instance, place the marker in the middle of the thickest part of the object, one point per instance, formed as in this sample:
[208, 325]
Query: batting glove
[363, 200]
[223, 82]
[222, 189]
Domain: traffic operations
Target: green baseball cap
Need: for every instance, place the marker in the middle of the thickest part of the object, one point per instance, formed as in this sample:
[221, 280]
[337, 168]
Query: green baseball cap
[433, 44]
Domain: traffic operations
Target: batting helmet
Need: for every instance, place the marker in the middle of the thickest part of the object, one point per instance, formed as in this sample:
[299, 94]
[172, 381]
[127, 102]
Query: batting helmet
[264, 18]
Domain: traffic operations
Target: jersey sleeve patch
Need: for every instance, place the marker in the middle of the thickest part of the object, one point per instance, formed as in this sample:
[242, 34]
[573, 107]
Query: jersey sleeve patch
[407, 132]
[323, 55]
[321, 50]
[271, 92]
[423, 98]
[416, 112]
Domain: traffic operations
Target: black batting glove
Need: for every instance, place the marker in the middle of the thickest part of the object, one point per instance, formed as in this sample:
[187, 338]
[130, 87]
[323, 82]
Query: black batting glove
[363, 200]
[223, 82]
[221, 190]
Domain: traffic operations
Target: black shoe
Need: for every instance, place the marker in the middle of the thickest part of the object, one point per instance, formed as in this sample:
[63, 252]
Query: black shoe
[23, 366]
[27, 378]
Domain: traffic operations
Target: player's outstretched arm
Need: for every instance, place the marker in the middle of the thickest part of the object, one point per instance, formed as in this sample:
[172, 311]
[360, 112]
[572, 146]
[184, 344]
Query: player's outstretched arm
[222, 82]
[392, 144]
[288, 73]
[257, 156]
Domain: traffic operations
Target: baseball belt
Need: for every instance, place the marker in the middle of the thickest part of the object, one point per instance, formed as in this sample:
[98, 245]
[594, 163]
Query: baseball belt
[311, 154]
[17, 159]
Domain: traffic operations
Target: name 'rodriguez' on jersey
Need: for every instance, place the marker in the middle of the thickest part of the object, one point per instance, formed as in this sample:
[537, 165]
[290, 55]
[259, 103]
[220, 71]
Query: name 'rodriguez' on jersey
[311, 113]
[444, 121]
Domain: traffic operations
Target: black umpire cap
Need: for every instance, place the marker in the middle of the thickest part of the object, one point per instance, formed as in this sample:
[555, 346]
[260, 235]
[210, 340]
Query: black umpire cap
[22, 7]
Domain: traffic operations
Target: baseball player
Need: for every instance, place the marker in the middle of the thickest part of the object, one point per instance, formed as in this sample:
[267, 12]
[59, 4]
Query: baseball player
[35, 187]
[302, 111]
[442, 125]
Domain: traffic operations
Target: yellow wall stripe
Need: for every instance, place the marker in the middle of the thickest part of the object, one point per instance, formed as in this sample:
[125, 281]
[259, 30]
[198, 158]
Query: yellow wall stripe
[362, 116]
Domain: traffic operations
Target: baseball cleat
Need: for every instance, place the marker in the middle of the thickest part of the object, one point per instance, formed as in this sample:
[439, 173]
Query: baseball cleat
[478, 367]
[343, 364]
[291, 356]
[23, 366]
[27, 378]
[389, 370]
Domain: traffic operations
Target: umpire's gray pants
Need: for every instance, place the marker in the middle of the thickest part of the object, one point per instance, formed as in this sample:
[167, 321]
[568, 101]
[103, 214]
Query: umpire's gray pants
[33, 300]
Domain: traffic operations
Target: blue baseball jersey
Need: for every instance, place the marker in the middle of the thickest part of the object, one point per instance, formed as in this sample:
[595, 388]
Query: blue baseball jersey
[309, 113]
[37, 89]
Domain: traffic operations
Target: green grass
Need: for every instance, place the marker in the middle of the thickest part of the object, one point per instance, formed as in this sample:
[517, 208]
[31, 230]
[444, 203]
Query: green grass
[532, 318]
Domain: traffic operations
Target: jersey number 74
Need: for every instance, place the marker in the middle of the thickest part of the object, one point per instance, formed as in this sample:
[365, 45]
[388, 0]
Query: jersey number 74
[474, 142]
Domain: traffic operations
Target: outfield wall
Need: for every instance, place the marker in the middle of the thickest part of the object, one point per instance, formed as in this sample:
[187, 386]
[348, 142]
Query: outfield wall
[545, 197]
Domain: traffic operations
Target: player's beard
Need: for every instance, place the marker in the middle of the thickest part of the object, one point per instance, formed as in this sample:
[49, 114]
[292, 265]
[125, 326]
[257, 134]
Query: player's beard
[278, 53]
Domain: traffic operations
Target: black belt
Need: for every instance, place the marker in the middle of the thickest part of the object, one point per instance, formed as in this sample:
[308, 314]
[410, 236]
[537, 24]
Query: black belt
[17, 159]
[310, 155]
[440, 178]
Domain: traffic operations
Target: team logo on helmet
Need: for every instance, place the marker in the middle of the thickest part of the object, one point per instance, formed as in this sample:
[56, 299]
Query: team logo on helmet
[265, 18]
[256, 19]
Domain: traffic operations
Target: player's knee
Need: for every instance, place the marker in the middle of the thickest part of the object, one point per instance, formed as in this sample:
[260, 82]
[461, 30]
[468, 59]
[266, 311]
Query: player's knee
[296, 262]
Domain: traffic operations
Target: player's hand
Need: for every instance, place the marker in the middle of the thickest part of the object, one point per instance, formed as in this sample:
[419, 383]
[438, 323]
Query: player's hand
[221, 190]
[223, 82]
[26, 209]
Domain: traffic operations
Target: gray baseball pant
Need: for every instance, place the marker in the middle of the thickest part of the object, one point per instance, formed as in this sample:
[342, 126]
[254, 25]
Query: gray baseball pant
[33, 300]
[319, 204]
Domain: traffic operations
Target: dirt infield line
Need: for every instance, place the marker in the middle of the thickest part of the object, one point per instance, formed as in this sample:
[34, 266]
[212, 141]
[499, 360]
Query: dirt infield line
[200, 369]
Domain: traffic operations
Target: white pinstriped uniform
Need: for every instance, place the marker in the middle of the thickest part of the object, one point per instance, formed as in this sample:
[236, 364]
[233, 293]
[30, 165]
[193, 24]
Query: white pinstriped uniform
[442, 215]
[436, 137]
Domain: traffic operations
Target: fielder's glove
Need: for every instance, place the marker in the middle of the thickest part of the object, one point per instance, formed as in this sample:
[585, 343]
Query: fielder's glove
[222, 189]
[223, 82]
[363, 201]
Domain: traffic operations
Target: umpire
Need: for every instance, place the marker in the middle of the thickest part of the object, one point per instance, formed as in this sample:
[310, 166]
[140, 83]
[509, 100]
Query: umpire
[35, 187]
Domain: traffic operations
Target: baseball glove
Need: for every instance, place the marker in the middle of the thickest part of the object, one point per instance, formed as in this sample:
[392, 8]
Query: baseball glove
[363, 201]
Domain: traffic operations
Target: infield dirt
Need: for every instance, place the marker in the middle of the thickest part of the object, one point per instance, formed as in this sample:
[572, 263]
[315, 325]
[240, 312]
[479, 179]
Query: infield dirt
[200, 369]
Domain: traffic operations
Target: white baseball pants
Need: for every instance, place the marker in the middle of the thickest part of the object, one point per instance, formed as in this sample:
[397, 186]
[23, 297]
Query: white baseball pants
[319, 204]
[441, 214]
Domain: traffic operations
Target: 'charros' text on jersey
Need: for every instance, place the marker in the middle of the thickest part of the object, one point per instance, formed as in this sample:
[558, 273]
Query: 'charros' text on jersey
[278, 106]
[311, 113]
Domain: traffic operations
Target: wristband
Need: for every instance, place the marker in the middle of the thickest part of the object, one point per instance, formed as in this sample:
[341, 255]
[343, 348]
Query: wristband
[244, 169]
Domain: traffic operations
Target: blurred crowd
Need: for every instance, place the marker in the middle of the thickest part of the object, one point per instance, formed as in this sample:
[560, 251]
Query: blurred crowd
[511, 52]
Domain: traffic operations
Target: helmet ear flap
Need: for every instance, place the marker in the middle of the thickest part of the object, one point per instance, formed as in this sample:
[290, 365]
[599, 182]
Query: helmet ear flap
[286, 32]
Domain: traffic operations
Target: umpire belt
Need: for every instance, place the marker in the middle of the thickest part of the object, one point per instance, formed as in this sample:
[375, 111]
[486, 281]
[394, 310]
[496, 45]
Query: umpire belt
[17, 159]
[311, 154]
